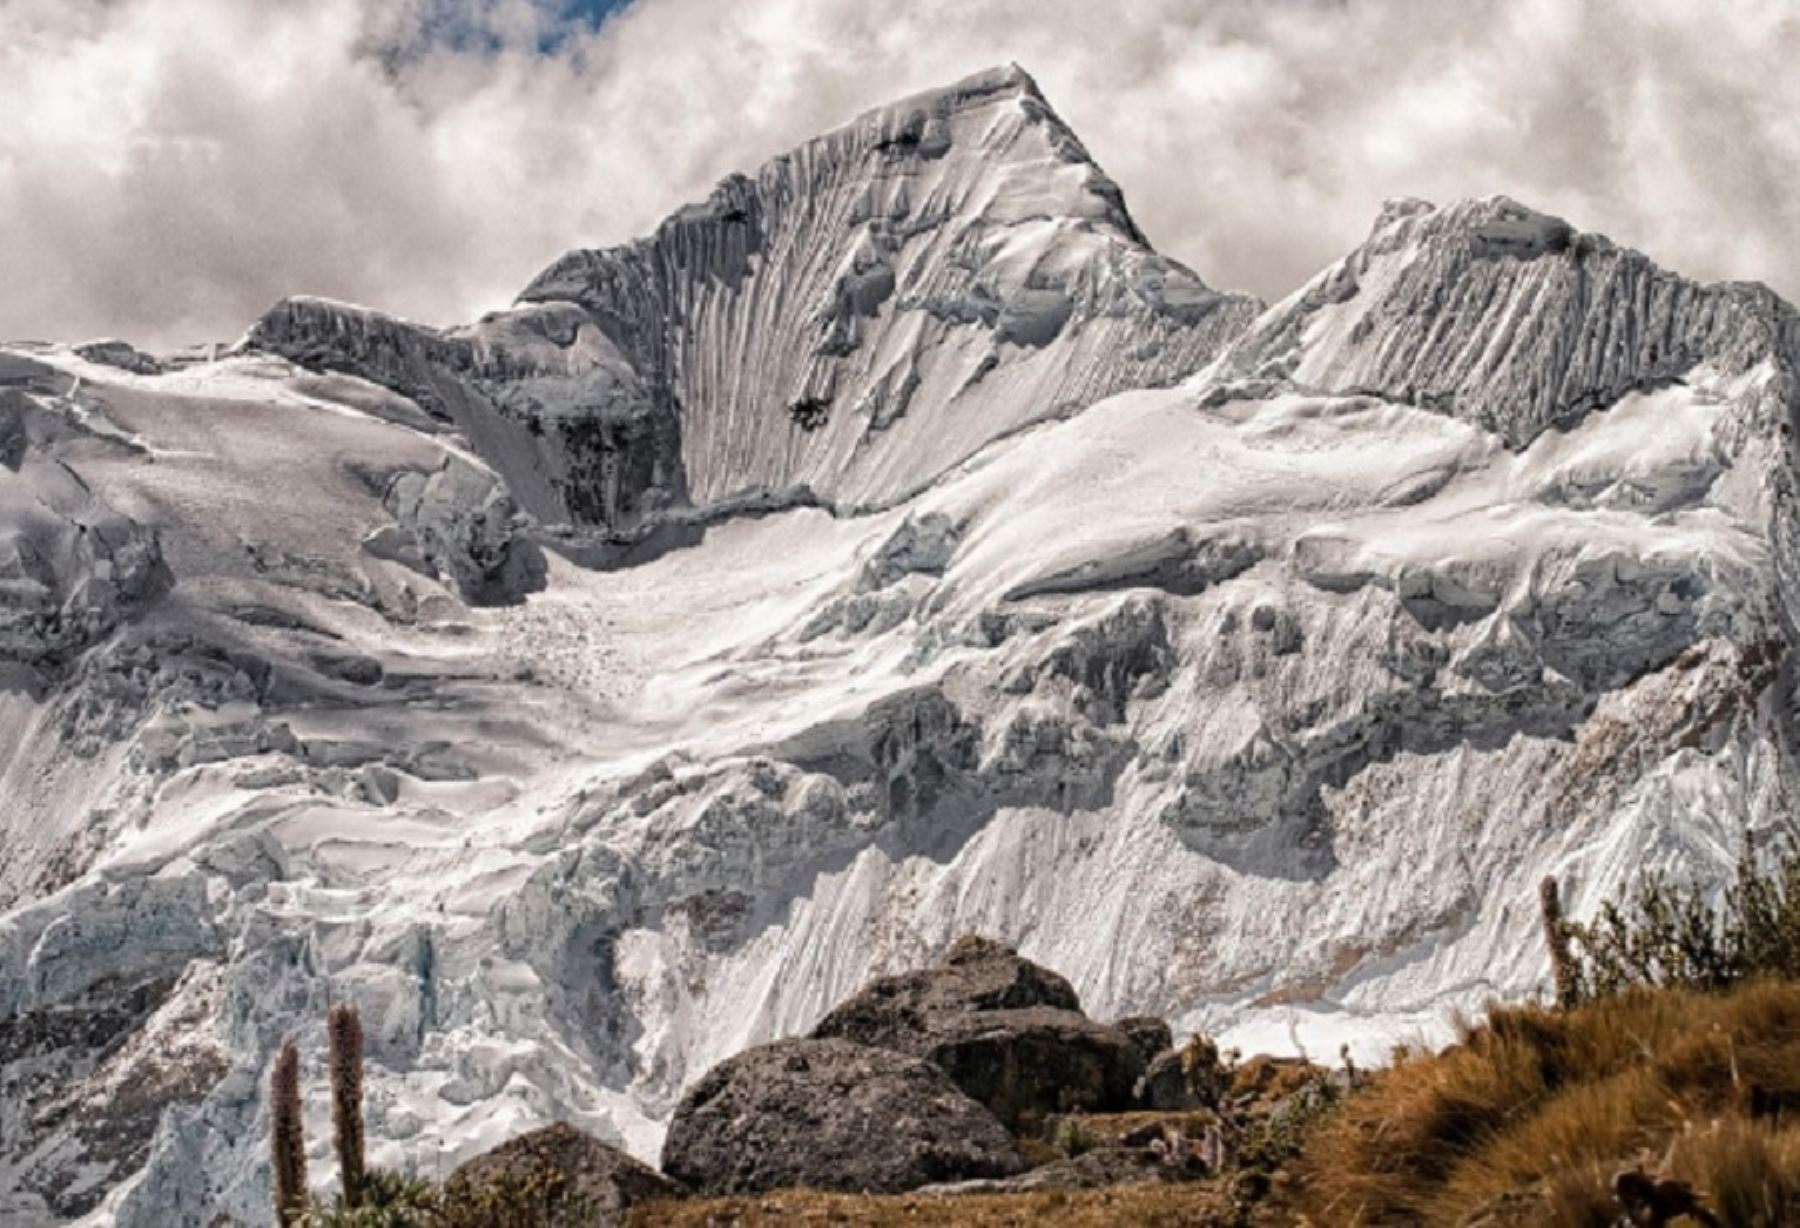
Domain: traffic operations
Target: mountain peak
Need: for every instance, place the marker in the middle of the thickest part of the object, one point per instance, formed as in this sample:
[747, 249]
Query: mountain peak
[1505, 316]
[877, 275]
[988, 147]
[1008, 80]
[841, 326]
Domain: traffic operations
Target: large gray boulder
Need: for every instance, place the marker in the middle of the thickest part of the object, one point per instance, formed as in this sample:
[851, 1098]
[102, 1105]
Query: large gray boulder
[829, 1114]
[1027, 1064]
[559, 1175]
[1009, 1033]
[975, 974]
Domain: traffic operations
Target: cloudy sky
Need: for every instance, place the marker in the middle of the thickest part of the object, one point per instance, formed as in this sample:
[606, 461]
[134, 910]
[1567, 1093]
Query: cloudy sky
[168, 168]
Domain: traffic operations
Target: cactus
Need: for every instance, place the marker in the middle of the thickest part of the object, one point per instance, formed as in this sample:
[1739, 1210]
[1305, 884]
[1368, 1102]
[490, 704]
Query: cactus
[287, 1138]
[1556, 936]
[344, 1028]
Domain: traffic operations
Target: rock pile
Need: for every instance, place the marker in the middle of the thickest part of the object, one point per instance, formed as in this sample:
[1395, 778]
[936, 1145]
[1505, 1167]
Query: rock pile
[922, 1078]
[978, 1075]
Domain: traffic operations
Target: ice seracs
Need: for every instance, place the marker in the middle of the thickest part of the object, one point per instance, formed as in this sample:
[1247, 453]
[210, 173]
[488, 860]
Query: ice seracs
[890, 547]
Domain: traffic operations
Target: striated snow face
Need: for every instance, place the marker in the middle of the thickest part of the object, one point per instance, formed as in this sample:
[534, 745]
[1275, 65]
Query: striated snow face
[1506, 318]
[839, 329]
[1251, 672]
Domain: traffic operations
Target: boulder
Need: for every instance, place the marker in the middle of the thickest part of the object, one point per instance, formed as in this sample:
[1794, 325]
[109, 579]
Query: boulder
[1165, 1086]
[1010, 1033]
[1026, 1064]
[831, 1115]
[976, 974]
[1150, 1034]
[559, 1175]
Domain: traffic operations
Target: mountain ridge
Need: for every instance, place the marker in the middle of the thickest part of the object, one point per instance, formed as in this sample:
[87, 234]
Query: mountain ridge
[774, 337]
[1248, 670]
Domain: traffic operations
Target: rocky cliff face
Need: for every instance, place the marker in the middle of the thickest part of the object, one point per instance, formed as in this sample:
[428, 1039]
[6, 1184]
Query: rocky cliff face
[1256, 685]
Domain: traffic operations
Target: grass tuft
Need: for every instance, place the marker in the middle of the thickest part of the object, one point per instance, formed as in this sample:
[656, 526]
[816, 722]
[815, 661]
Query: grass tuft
[1538, 1109]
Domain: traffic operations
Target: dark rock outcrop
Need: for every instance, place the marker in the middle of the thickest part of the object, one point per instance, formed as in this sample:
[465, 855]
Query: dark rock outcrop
[572, 1177]
[829, 1114]
[120, 354]
[1027, 1063]
[1010, 1033]
[1165, 1086]
[1150, 1034]
[976, 974]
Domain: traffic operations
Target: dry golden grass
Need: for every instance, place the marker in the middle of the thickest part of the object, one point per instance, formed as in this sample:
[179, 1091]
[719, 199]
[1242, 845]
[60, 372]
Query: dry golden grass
[1525, 1121]
[1154, 1206]
[1750, 1168]
[1528, 1118]
[1269, 1078]
[1112, 1129]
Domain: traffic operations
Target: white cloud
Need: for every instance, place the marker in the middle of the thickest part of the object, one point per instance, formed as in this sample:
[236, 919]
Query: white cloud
[170, 167]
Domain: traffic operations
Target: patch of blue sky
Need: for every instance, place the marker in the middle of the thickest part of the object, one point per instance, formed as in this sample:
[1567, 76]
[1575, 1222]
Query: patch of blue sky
[465, 25]
[577, 16]
[593, 12]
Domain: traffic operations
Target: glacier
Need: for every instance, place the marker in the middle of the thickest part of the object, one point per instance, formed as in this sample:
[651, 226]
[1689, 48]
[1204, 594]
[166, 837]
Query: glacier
[891, 546]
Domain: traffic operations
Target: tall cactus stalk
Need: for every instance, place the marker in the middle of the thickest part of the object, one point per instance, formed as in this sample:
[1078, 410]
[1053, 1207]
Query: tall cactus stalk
[287, 1138]
[344, 1027]
[1556, 937]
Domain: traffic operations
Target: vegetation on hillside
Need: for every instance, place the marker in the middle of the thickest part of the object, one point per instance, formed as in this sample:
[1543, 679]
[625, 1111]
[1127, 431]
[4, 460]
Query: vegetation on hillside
[1535, 1115]
[1663, 1088]
[1672, 935]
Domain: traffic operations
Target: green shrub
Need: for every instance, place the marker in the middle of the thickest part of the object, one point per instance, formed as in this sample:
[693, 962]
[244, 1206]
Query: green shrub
[1074, 1137]
[387, 1200]
[1669, 934]
[1269, 1140]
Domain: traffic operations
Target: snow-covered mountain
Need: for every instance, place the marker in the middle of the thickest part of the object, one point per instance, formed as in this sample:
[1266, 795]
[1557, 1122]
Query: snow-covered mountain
[890, 547]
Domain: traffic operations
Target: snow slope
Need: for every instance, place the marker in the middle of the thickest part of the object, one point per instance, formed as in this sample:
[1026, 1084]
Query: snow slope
[1247, 670]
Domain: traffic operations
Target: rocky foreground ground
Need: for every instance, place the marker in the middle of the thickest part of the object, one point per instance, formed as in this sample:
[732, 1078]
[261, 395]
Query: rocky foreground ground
[976, 1092]
[969, 1083]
